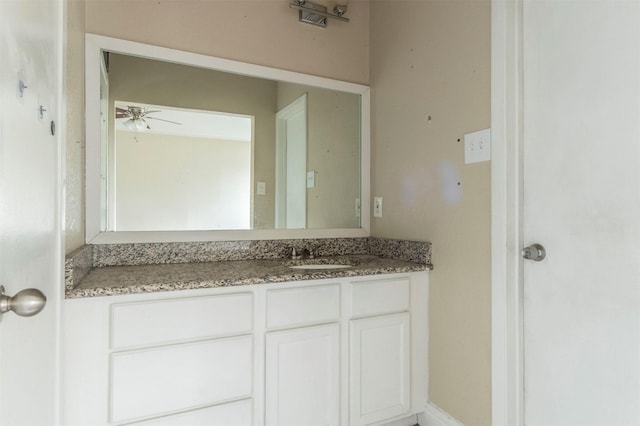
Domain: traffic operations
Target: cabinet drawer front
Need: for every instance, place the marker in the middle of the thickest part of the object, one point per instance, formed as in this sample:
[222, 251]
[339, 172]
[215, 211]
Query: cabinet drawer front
[237, 413]
[303, 306]
[379, 297]
[152, 382]
[177, 320]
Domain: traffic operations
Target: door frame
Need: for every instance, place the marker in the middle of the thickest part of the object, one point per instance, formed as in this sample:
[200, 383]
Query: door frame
[298, 106]
[507, 342]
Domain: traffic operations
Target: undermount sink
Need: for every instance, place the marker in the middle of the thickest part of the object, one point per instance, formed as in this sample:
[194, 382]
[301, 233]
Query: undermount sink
[321, 266]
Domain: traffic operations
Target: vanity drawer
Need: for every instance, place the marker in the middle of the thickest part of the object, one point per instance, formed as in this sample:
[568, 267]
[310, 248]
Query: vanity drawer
[380, 297]
[237, 413]
[152, 382]
[167, 321]
[303, 306]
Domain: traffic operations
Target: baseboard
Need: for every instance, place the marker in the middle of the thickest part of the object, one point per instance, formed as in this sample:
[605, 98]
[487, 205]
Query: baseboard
[436, 416]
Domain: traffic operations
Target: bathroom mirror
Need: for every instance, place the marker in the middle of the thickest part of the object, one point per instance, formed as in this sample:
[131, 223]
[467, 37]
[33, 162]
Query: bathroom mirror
[188, 147]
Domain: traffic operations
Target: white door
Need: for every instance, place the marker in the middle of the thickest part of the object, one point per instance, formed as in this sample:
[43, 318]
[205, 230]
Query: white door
[30, 230]
[581, 201]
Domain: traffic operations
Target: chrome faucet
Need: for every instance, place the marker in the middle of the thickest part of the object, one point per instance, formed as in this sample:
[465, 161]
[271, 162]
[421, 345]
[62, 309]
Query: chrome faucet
[303, 254]
[295, 255]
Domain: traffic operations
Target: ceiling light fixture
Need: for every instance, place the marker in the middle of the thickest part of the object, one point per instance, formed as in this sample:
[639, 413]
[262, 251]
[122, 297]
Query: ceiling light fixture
[316, 14]
[136, 124]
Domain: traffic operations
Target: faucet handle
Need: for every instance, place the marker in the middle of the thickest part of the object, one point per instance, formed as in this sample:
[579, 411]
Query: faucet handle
[312, 253]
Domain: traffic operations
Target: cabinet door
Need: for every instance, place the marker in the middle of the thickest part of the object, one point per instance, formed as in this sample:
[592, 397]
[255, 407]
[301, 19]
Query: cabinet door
[379, 368]
[302, 376]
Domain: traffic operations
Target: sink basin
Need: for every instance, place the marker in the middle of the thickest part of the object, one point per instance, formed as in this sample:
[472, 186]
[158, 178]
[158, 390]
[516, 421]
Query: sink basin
[321, 266]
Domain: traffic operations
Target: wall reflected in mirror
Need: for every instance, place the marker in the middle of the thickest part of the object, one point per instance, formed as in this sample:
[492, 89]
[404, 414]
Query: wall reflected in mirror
[171, 158]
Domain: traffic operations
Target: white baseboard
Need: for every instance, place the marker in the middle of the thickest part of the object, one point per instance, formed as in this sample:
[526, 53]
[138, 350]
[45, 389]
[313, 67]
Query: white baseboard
[436, 416]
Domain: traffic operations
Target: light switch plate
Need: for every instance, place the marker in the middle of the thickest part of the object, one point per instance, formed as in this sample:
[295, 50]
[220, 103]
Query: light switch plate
[477, 146]
[377, 206]
[311, 179]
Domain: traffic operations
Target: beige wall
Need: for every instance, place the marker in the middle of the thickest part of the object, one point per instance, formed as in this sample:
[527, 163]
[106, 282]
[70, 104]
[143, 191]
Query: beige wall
[432, 58]
[264, 32]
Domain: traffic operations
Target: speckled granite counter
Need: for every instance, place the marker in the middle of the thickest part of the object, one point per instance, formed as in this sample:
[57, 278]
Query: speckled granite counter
[117, 280]
[144, 268]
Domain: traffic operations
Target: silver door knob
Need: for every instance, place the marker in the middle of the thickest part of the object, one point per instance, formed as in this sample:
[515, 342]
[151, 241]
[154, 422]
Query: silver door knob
[535, 252]
[26, 303]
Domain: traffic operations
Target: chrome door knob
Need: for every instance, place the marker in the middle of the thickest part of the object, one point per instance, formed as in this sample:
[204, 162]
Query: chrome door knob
[535, 252]
[26, 303]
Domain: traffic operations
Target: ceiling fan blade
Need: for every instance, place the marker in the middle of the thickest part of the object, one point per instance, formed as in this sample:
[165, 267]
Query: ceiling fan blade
[122, 110]
[162, 119]
[122, 115]
[151, 111]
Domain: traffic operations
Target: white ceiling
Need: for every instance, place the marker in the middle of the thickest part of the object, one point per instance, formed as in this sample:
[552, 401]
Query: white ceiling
[194, 123]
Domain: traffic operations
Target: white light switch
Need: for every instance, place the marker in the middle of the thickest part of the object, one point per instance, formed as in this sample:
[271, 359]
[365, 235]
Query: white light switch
[311, 179]
[377, 206]
[262, 188]
[477, 146]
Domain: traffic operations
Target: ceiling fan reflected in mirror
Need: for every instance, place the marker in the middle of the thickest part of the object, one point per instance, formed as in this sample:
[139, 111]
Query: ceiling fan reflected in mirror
[137, 117]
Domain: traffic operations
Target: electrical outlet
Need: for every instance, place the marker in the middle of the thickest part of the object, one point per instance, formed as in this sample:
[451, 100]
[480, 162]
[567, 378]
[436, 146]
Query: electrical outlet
[377, 206]
[262, 188]
[477, 146]
[357, 207]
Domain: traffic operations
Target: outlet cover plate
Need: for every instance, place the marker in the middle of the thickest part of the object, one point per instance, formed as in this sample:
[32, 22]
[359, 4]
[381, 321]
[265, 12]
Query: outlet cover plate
[377, 206]
[477, 146]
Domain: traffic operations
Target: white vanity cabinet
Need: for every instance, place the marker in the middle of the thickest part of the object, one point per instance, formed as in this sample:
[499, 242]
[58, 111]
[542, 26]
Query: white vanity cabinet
[347, 351]
[135, 358]
[303, 359]
[303, 376]
[380, 357]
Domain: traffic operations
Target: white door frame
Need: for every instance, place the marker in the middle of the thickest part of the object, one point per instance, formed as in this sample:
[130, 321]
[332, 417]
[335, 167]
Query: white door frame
[298, 106]
[506, 214]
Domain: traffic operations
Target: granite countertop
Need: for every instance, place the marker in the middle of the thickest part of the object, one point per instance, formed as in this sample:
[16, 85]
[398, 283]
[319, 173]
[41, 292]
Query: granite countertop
[131, 279]
[114, 269]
